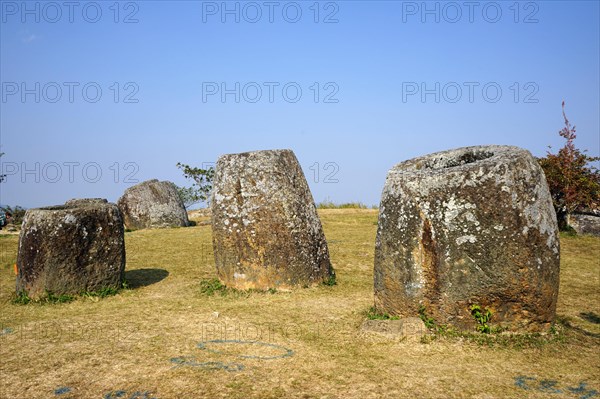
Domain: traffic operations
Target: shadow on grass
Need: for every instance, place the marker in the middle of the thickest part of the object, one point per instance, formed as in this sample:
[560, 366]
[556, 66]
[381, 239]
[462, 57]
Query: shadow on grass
[144, 277]
[566, 322]
[590, 316]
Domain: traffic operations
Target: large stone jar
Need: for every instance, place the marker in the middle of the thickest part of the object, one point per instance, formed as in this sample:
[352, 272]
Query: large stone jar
[266, 231]
[71, 248]
[470, 226]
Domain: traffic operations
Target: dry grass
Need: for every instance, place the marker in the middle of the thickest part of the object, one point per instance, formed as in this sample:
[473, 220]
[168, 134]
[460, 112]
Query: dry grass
[126, 342]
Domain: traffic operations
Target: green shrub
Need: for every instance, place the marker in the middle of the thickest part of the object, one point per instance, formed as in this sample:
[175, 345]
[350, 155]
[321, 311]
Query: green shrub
[429, 321]
[482, 317]
[573, 180]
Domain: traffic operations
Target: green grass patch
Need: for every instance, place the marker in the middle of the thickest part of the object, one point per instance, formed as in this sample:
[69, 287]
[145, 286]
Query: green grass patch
[557, 334]
[429, 321]
[495, 336]
[373, 314]
[103, 293]
[212, 287]
[22, 298]
[330, 281]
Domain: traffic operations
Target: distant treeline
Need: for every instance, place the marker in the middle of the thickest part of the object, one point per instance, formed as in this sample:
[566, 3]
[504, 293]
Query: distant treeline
[331, 205]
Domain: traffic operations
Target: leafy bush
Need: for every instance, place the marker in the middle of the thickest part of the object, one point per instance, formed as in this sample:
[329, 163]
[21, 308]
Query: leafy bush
[574, 183]
[482, 317]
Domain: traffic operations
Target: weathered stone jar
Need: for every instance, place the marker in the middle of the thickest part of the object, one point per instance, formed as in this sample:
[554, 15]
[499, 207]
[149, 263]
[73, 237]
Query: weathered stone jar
[153, 204]
[71, 248]
[266, 231]
[470, 226]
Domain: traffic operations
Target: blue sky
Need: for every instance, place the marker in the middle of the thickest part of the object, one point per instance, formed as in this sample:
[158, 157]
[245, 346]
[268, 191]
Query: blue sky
[99, 95]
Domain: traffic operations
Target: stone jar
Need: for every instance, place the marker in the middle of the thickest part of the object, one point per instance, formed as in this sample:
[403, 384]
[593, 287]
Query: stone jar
[266, 231]
[470, 226]
[153, 204]
[71, 248]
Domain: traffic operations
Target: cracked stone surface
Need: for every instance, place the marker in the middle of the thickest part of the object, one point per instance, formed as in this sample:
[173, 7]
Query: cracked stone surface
[71, 248]
[468, 226]
[153, 204]
[266, 231]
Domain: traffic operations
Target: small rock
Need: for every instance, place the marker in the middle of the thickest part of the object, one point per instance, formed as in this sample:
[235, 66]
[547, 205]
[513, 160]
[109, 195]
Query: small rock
[584, 224]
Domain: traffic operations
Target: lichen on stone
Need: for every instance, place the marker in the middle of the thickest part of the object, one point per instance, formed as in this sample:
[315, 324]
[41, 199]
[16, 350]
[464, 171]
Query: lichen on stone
[265, 224]
[468, 225]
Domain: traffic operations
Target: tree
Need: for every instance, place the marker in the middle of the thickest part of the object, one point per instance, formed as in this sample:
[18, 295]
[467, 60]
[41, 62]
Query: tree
[16, 213]
[201, 186]
[574, 183]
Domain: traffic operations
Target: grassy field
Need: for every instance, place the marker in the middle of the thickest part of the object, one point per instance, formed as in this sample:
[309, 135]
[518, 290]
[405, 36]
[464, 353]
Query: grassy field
[144, 341]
